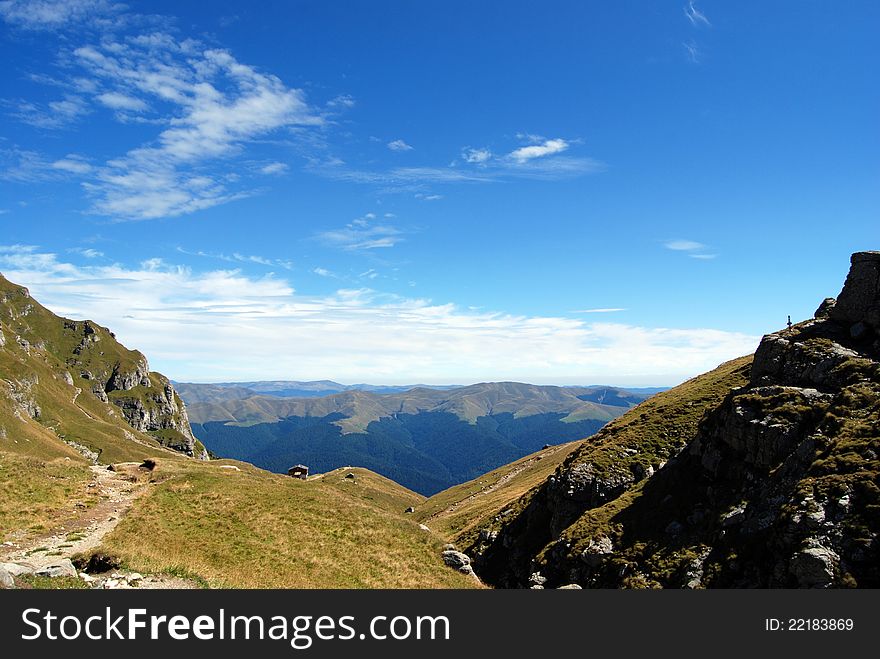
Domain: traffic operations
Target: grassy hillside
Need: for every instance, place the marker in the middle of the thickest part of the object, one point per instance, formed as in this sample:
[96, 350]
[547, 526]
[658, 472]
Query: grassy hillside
[625, 452]
[461, 512]
[246, 528]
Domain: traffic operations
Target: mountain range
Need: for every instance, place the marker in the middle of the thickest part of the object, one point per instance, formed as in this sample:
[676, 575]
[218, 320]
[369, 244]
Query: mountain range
[762, 473]
[426, 439]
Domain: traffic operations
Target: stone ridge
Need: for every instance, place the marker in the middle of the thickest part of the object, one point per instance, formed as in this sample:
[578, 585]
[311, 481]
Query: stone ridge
[858, 304]
[778, 487]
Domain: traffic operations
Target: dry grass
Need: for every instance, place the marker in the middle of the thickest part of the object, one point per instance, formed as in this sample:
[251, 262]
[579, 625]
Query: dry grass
[247, 528]
[36, 494]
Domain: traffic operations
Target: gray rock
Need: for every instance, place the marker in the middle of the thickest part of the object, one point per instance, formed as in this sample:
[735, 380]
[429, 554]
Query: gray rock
[456, 559]
[6, 580]
[537, 579]
[17, 569]
[596, 550]
[815, 566]
[410, 509]
[824, 310]
[859, 301]
[571, 586]
[63, 568]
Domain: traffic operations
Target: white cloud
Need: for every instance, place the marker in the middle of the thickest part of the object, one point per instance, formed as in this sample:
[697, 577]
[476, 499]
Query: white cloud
[54, 115]
[399, 145]
[692, 51]
[695, 16]
[117, 101]
[274, 168]
[601, 310]
[217, 106]
[694, 249]
[54, 14]
[547, 148]
[237, 257]
[72, 163]
[223, 325]
[88, 252]
[341, 101]
[683, 245]
[361, 234]
[428, 197]
[476, 156]
[323, 272]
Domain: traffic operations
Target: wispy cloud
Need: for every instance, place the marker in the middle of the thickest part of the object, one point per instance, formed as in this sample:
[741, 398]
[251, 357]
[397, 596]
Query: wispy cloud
[600, 310]
[476, 156]
[73, 163]
[53, 115]
[547, 148]
[55, 14]
[399, 145]
[88, 252]
[362, 234]
[692, 51]
[683, 245]
[207, 105]
[117, 101]
[185, 320]
[221, 105]
[274, 168]
[693, 249]
[342, 101]
[236, 257]
[695, 16]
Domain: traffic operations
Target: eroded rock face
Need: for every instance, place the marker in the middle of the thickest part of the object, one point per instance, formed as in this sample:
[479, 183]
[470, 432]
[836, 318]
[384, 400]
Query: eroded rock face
[859, 301]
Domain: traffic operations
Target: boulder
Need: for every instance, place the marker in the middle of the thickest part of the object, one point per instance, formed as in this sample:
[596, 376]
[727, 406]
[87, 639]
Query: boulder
[824, 310]
[17, 569]
[6, 580]
[456, 559]
[63, 568]
[410, 509]
[571, 586]
[596, 550]
[814, 567]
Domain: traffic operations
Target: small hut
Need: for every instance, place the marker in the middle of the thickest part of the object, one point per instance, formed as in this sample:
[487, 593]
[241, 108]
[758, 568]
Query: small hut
[298, 471]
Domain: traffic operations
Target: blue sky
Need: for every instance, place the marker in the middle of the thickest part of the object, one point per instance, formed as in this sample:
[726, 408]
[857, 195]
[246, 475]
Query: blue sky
[563, 192]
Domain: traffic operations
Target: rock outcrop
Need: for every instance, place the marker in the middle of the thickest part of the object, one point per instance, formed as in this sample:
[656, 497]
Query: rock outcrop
[777, 486]
[87, 359]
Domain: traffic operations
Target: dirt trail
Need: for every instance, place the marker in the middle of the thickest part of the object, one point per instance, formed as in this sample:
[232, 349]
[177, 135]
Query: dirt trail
[85, 532]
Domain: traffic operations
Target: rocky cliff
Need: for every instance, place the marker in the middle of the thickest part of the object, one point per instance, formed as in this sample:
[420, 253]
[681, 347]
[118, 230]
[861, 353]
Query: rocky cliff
[776, 485]
[88, 359]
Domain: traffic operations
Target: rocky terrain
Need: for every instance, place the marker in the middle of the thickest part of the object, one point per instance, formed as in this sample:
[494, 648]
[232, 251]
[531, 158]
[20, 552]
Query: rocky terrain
[777, 484]
[61, 373]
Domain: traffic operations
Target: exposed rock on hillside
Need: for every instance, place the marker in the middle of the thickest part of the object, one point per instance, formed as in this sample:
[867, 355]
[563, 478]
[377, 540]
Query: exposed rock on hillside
[778, 486]
[87, 359]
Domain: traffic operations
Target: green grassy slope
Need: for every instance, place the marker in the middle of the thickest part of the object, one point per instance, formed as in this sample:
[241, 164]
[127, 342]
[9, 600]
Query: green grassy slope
[246, 528]
[461, 512]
